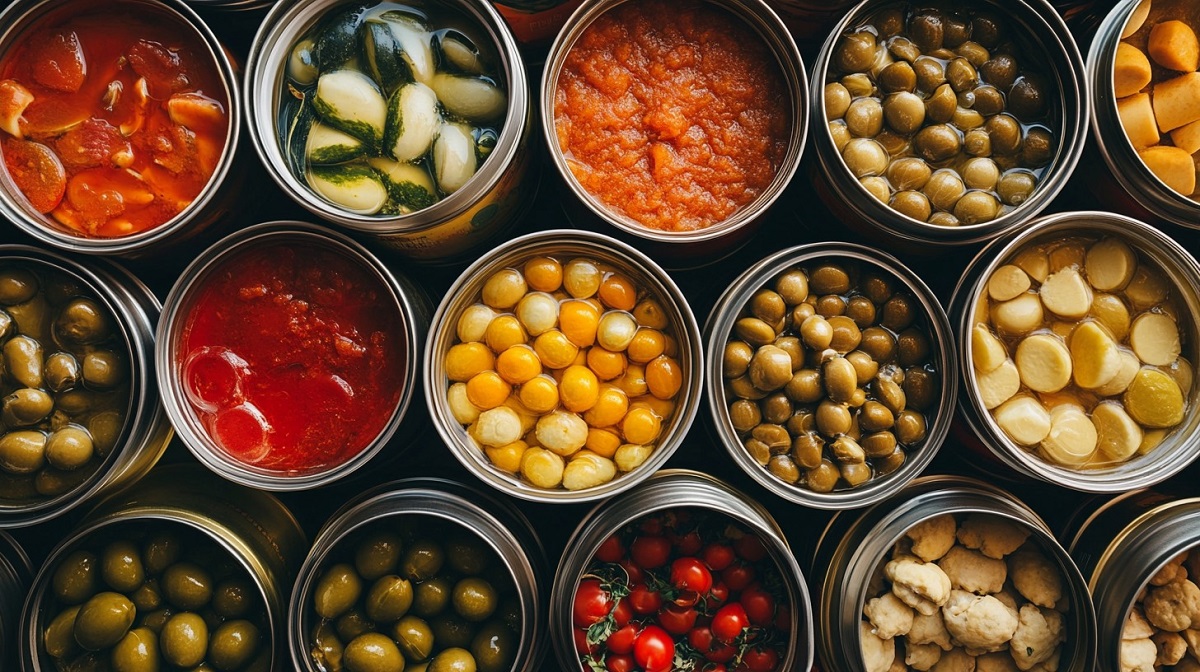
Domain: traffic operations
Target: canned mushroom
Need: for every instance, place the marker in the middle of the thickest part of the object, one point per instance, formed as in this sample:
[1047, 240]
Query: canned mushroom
[951, 574]
[636, 107]
[124, 145]
[1081, 339]
[420, 574]
[947, 117]
[403, 122]
[828, 374]
[171, 573]
[286, 354]
[80, 410]
[682, 573]
[564, 367]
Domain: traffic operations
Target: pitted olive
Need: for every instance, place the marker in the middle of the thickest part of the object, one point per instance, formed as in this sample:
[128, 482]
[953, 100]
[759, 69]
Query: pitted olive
[890, 393]
[878, 343]
[833, 418]
[22, 452]
[83, 322]
[875, 417]
[17, 285]
[927, 30]
[189, 586]
[865, 157]
[937, 143]
[855, 52]
[372, 652]
[846, 450]
[879, 444]
[23, 360]
[103, 620]
[26, 406]
[865, 367]
[912, 204]
[1027, 98]
[829, 279]
[233, 644]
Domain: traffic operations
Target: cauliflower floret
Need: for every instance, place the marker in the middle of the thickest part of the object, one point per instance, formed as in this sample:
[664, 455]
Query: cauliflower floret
[956, 660]
[1136, 625]
[878, 653]
[1192, 637]
[1171, 647]
[999, 661]
[898, 666]
[1187, 665]
[1137, 655]
[889, 616]
[922, 656]
[1037, 637]
[1173, 607]
[924, 587]
[993, 536]
[979, 623]
[1009, 601]
[1048, 665]
[1035, 578]
[931, 539]
[929, 629]
[1172, 571]
[973, 571]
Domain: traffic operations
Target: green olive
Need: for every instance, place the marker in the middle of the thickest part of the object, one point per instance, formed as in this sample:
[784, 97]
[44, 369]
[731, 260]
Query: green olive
[898, 313]
[976, 207]
[903, 49]
[389, 598]
[78, 401]
[456, 659]
[83, 322]
[913, 347]
[233, 644]
[1027, 98]
[754, 331]
[865, 157]
[864, 118]
[793, 287]
[879, 444]
[105, 428]
[931, 74]
[1000, 71]
[878, 187]
[22, 452]
[988, 100]
[802, 312]
[823, 478]
[745, 415]
[336, 591]
[987, 30]
[837, 101]
[137, 652]
[846, 450]
[26, 406]
[161, 551]
[943, 219]
[980, 173]
[937, 143]
[62, 372]
[103, 620]
[451, 631]
[431, 597]
[103, 369]
[897, 77]
[776, 408]
[830, 305]
[977, 142]
[1005, 132]
[17, 285]
[1037, 149]
[121, 567]
[807, 449]
[467, 553]
[184, 639]
[840, 134]
[854, 473]
[1015, 187]
[187, 585]
[805, 387]
[878, 343]
[59, 636]
[23, 360]
[966, 120]
[377, 555]
[908, 173]
[794, 348]
[961, 75]
[846, 334]
[803, 420]
[147, 597]
[372, 652]
[69, 448]
[910, 427]
[736, 359]
[60, 288]
[353, 623]
[833, 418]
[890, 394]
[30, 318]
[859, 84]
[742, 388]
[156, 620]
[889, 22]
[414, 636]
[771, 368]
[8, 327]
[829, 279]
[920, 386]
[865, 367]
[944, 189]
[327, 649]
[956, 32]
[875, 417]
[774, 437]
[926, 29]
[912, 204]
[875, 287]
[890, 463]
[783, 468]
[233, 597]
[904, 111]
[494, 647]
[855, 52]
[475, 599]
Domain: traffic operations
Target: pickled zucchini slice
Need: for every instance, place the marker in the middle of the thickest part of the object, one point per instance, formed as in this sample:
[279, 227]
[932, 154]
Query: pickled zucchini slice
[415, 43]
[383, 57]
[453, 157]
[327, 145]
[409, 186]
[412, 121]
[350, 101]
[355, 187]
[471, 98]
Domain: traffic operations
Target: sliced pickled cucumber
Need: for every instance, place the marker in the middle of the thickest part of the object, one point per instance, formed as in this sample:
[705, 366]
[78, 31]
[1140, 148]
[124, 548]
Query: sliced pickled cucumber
[355, 187]
[412, 121]
[409, 187]
[350, 101]
[453, 157]
[458, 52]
[336, 40]
[383, 56]
[327, 145]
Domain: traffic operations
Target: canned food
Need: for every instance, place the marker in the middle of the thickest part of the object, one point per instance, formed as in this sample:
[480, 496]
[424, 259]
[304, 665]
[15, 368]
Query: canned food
[958, 571]
[454, 175]
[1082, 325]
[426, 571]
[658, 184]
[1136, 551]
[180, 570]
[618, 556]
[121, 160]
[830, 374]
[231, 5]
[1147, 145]
[15, 573]
[936, 131]
[81, 410]
[287, 355]
[564, 367]
[536, 22]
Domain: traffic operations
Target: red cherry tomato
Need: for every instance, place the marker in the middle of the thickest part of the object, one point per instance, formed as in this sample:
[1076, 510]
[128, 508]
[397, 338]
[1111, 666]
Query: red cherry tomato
[654, 649]
[713, 667]
[737, 576]
[690, 574]
[676, 619]
[612, 550]
[623, 612]
[760, 659]
[729, 622]
[620, 663]
[717, 556]
[621, 641]
[592, 604]
[581, 644]
[650, 552]
[759, 604]
[717, 595]
[701, 639]
[633, 571]
[750, 548]
[721, 653]
[689, 543]
[651, 526]
[644, 601]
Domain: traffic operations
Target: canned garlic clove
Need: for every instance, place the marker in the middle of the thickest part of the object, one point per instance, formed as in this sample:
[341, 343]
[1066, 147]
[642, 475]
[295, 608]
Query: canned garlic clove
[182, 570]
[80, 408]
[642, 141]
[954, 573]
[421, 572]
[830, 374]
[564, 366]
[1145, 96]
[405, 123]
[119, 159]
[948, 125]
[1079, 339]
[708, 548]
[287, 355]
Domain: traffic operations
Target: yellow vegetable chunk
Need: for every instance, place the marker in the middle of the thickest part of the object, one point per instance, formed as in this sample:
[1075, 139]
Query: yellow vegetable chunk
[1095, 357]
[1024, 420]
[987, 352]
[1112, 312]
[1137, 118]
[588, 470]
[1067, 294]
[1177, 101]
[1181, 371]
[1072, 437]
[997, 387]
[1008, 282]
[1147, 289]
[1154, 338]
[542, 468]
[1154, 400]
[1136, 19]
[1110, 264]
[1117, 435]
[1173, 166]
[1067, 255]
[1131, 70]
[1035, 262]
[1173, 45]
[1130, 365]
[1151, 439]
[1018, 316]
[1187, 137]
[1044, 363]
[508, 457]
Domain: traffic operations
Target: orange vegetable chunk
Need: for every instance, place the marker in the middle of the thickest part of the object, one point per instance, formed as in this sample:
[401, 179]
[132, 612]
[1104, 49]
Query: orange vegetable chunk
[1173, 45]
[36, 171]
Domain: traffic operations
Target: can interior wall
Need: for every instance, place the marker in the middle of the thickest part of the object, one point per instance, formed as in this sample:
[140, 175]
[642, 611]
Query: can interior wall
[15, 574]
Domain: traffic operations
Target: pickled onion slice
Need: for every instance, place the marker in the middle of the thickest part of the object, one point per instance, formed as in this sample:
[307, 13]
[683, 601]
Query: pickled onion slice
[212, 378]
[243, 432]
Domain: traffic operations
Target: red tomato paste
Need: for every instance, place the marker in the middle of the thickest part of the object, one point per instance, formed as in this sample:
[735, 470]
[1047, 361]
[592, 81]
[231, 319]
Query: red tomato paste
[293, 357]
[112, 117]
[672, 113]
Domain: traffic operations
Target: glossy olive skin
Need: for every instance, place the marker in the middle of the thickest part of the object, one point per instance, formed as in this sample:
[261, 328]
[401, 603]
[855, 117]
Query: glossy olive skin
[103, 620]
[233, 644]
[184, 640]
[455, 659]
